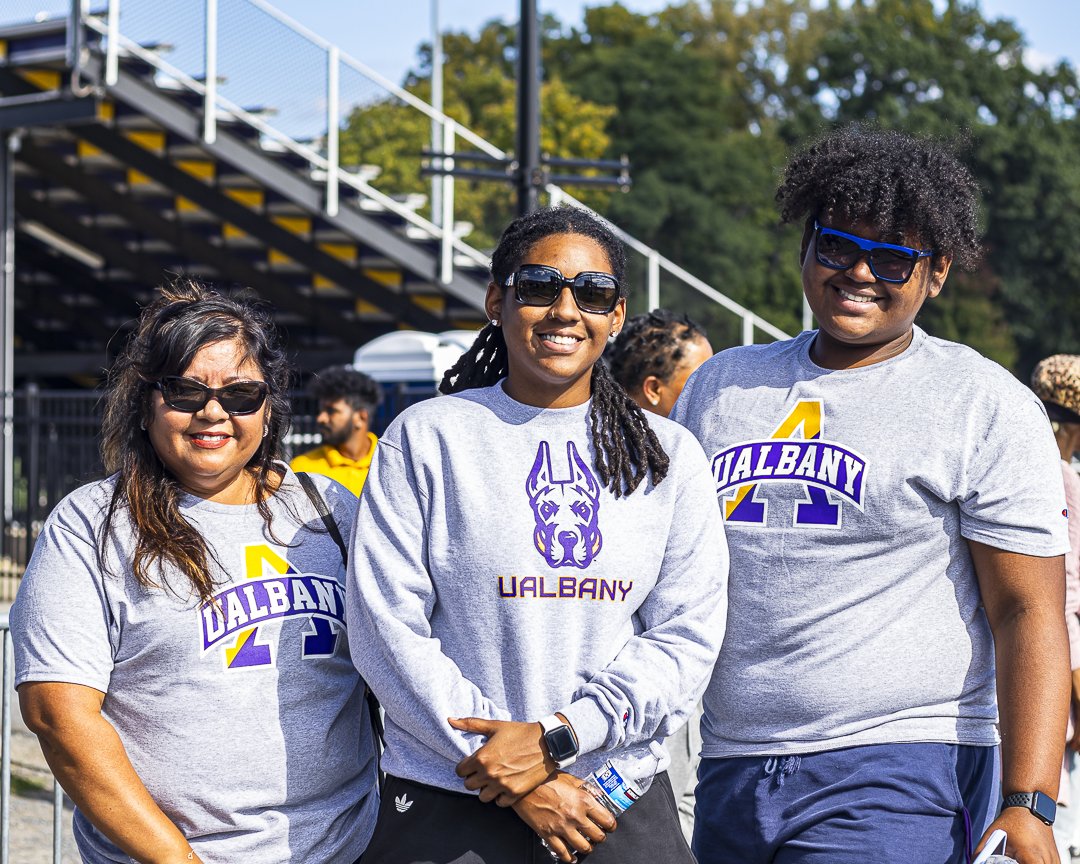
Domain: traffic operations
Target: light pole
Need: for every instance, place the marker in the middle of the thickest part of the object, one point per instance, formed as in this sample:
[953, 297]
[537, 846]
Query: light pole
[437, 104]
[528, 110]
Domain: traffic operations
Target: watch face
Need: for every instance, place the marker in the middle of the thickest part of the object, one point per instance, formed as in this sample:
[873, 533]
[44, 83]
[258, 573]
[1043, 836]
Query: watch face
[1044, 807]
[561, 744]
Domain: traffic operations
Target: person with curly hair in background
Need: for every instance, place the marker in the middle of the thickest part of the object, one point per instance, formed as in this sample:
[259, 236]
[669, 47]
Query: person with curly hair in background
[894, 507]
[180, 646]
[347, 401]
[654, 355]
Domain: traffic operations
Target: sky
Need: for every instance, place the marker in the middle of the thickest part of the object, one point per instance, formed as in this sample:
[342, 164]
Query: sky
[385, 35]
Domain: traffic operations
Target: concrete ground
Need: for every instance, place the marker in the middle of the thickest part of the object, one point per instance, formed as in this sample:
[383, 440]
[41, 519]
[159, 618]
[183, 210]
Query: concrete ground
[30, 837]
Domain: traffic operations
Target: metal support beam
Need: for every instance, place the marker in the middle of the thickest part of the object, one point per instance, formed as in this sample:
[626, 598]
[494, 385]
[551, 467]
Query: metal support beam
[322, 315]
[112, 45]
[653, 280]
[446, 201]
[9, 144]
[528, 110]
[209, 129]
[259, 226]
[286, 182]
[333, 127]
[54, 111]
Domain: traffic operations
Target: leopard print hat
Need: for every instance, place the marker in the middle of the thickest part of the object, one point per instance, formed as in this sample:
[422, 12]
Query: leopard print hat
[1056, 380]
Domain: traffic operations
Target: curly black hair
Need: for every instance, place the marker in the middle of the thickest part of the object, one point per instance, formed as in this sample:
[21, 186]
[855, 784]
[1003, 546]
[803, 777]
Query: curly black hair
[901, 185]
[653, 343]
[625, 445]
[360, 391]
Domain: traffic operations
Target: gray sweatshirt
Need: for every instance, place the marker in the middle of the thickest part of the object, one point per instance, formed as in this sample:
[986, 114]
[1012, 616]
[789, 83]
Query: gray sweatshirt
[493, 576]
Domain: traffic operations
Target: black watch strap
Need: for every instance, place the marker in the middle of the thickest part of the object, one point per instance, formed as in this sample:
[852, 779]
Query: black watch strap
[1041, 805]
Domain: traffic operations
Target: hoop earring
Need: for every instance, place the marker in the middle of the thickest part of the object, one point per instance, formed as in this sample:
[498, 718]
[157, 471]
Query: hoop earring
[142, 424]
[266, 429]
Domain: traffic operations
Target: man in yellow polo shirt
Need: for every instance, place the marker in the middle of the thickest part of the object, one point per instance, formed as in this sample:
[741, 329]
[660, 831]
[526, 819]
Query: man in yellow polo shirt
[347, 403]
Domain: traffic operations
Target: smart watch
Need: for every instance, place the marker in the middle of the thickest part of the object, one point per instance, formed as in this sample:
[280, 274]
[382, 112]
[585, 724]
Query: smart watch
[1042, 806]
[561, 741]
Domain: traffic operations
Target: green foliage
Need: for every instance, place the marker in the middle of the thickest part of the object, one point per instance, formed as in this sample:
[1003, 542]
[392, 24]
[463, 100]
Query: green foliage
[709, 98]
[479, 94]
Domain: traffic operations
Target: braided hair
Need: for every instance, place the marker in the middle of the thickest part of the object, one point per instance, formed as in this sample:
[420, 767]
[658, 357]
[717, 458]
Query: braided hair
[625, 446]
[654, 343]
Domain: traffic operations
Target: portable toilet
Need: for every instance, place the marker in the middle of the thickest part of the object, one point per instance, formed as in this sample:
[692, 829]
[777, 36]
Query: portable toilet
[409, 364]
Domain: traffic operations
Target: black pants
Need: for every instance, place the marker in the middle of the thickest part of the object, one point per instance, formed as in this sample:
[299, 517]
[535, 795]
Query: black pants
[420, 824]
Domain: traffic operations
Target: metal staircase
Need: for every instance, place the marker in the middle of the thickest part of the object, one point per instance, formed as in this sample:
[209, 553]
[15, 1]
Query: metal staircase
[153, 137]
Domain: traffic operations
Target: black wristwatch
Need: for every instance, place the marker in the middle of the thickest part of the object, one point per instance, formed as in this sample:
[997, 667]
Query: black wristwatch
[561, 741]
[1042, 806]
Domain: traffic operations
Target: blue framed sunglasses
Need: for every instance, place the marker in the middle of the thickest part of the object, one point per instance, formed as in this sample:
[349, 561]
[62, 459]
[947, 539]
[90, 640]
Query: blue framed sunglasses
[839, 250]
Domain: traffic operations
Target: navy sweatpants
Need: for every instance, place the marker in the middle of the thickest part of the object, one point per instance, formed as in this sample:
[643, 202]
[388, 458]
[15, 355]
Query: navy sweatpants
[888, 803]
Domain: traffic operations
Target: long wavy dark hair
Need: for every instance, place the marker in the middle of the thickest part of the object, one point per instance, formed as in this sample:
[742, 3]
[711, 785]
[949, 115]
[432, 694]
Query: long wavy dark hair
[187, 317]
[627, 450]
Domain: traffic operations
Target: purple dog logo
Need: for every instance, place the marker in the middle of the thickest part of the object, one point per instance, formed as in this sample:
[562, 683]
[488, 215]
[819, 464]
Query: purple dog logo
[567, 533]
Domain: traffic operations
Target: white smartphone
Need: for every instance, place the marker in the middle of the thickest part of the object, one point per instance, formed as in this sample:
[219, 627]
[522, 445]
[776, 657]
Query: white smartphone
[996, 843]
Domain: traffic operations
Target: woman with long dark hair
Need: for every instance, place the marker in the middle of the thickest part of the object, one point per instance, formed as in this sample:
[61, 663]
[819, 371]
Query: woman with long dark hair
[539, 576]
[179, 633]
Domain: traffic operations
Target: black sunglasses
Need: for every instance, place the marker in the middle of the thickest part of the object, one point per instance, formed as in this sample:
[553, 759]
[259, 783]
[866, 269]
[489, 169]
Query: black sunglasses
[188, 395]
[540, 285]
[839, 250]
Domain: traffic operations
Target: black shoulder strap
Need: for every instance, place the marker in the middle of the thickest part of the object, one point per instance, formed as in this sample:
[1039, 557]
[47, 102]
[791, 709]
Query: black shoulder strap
[324, 512]
[328, 520]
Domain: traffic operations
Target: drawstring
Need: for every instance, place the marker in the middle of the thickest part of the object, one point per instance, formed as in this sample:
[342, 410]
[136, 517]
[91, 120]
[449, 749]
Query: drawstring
[787, 765]
[968, 841]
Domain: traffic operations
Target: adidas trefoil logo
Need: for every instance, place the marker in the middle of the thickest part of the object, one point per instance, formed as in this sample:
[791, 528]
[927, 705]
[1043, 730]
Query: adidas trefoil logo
[402, 803]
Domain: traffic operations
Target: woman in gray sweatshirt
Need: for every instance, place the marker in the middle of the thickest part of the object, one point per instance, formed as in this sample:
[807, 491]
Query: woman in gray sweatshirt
[539, 578]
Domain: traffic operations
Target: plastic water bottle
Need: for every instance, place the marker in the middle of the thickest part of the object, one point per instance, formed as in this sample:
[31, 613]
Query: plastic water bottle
[621, 781]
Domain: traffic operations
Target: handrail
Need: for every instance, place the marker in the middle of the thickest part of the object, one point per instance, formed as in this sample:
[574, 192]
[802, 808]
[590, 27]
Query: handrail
[5, 738]
[450, 244]
[8, 677]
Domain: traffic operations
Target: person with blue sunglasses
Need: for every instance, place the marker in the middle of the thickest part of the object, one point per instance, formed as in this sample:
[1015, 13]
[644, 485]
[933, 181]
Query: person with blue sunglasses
[895, 516]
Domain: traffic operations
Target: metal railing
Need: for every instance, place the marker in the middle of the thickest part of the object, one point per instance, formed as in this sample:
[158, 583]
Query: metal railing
[316, 92]
[5, 759]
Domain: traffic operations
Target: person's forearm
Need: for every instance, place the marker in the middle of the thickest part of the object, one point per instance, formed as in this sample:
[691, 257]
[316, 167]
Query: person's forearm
[1034, 684]
[88, 759]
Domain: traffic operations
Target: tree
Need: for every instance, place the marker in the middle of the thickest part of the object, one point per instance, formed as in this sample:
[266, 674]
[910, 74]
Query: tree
[479, 93]
[955, 74]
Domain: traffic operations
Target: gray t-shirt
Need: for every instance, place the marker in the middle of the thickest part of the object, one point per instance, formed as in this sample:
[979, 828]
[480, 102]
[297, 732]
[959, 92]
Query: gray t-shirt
[855, 616]
[497, 578]
[247, 725]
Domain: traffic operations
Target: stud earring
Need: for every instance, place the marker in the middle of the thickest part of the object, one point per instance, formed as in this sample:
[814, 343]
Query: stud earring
[494, 322]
